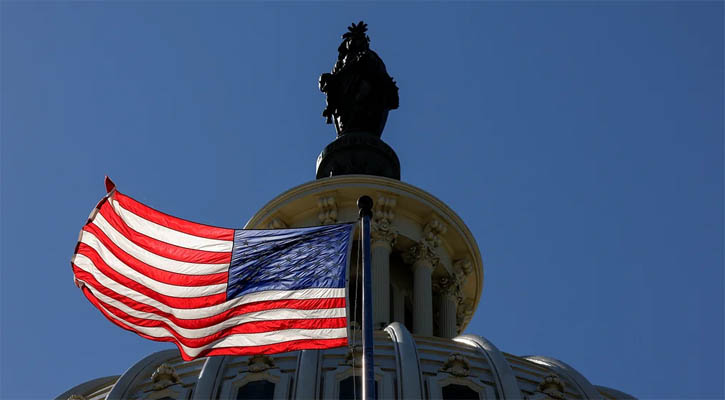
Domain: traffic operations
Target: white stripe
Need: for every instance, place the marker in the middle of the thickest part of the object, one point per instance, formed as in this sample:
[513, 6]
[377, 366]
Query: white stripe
[242, 339]
[141, 254]
[204, 312]
[142, 279]
[265, 315]
[168, 235]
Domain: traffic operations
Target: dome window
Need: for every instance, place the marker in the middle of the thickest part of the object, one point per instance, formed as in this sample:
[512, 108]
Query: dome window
[263, 389]
[350, 389]
[459, 392]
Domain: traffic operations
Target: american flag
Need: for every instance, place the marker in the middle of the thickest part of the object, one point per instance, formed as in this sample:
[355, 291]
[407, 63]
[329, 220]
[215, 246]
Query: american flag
[210, 290]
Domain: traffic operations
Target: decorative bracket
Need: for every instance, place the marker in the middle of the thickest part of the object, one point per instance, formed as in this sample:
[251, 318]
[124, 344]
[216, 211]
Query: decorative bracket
[433, 231]
[259, 363]
[277, 223]
[461, 270]
[328, 210]
[164, 376]
[382, 223]
[464, 312]
[354, 356]
[425, 248]
[550, 388]
[457, 365]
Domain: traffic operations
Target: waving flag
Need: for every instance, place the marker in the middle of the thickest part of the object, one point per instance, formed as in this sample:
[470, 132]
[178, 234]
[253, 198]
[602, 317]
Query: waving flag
[213, 291]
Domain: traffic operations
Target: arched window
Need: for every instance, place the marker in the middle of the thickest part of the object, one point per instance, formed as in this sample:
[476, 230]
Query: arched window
[350, 389]
[256, 390]
[459, 392]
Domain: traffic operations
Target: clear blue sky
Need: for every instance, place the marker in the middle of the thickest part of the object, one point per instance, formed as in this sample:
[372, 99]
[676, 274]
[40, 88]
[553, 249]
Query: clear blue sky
[581, 142]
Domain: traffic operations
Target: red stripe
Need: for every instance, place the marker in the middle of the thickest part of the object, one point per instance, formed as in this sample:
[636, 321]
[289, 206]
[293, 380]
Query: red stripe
[181, 225]
[172, 278]
[162, 248]
[291, 345]
[303, 344]
[248, 327]
[305, 304]
[171, 301]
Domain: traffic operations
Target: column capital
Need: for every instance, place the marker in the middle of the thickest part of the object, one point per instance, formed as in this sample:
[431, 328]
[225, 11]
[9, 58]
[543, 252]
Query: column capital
[449, 288]
[424, 251]
[421, 254]
[382, 237]
[382, 232]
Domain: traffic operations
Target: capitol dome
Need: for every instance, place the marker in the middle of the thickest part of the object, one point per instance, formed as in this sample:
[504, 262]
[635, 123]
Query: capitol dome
[423, 256]
[427, 280]
[406, 367]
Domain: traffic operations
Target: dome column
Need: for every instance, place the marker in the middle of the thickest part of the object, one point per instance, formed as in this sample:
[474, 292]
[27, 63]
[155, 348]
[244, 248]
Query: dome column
[382, 238]
[398, 305]
[423, 297]
[381, 281]
[424, 259]
[452, 307]
[448, 311]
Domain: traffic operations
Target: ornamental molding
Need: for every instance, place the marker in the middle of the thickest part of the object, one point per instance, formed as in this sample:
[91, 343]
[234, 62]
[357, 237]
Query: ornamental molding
[453, 284]
[277, 223]
[448, 287]
[464, 312]
[461, 269]
[458, 241]
[230, 387]
[259, 363]
[433, 232]
[354, 357]
[387, 236]
[425, 249]
[327, 207]
[421, 253]
[164, 376]
[457, 365]
[382, 229]
[550, 388]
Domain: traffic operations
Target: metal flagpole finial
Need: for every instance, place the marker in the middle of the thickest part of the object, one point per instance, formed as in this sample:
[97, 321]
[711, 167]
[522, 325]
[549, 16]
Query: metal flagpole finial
[365, 204]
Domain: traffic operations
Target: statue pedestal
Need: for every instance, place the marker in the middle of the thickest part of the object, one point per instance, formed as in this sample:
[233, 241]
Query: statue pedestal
[358, 153]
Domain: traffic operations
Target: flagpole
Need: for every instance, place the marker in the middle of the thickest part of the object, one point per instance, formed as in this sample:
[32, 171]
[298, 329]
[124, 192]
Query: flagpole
[365, 204]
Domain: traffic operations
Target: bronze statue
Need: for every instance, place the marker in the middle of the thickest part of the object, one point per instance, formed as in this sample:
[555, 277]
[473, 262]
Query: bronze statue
[360, 93]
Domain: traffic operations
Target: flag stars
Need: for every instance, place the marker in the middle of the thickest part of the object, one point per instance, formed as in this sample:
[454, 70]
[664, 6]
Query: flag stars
[312, 257]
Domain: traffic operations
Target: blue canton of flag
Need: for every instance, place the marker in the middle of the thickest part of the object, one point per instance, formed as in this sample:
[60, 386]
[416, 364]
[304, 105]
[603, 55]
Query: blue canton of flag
[288, 259]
